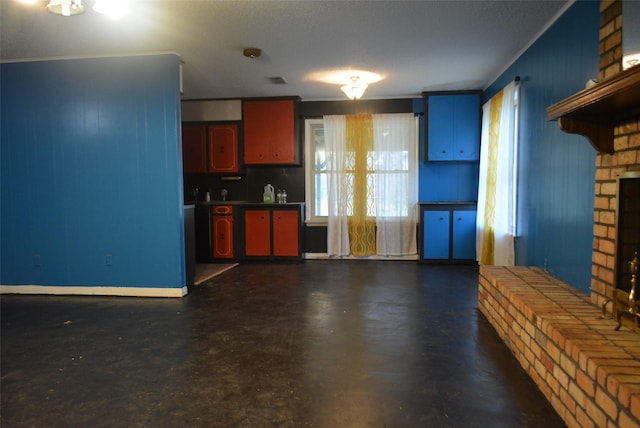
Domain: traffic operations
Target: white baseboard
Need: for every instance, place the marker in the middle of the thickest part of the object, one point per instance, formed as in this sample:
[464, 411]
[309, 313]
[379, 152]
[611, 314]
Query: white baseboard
[325, 256]
[94, 291]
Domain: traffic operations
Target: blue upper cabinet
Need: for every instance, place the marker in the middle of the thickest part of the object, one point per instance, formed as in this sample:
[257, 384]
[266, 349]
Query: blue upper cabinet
[453, 127]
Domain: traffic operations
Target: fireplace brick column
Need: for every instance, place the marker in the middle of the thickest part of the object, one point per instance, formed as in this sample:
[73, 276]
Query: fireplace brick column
[626, 157]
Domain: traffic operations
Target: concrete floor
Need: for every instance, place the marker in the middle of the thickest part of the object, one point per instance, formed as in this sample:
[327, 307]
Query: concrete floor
[321, 343]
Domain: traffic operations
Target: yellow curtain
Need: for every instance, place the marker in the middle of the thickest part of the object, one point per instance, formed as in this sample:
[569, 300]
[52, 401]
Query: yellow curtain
[362, 230]
[488, 241]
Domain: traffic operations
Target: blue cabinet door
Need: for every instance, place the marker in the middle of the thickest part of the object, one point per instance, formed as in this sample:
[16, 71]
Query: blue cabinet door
[464, 235]
[466, 136]
[453, 127]
[435, 235]
[440, 127]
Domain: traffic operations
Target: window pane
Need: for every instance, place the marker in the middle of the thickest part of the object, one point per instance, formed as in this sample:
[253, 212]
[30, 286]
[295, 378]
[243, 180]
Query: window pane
[320, 151]
[321, 204]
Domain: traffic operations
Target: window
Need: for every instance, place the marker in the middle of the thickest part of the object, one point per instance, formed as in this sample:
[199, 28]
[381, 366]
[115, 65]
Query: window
[393, 165]
[316, 179]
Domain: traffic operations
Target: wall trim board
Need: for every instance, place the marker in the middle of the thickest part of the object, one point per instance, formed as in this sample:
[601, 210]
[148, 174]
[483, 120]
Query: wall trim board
[94, 291]
[76, 57]
[317, 109]
[325, 256]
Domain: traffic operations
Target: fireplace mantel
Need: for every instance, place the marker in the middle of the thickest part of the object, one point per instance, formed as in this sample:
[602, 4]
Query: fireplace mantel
[594, 112]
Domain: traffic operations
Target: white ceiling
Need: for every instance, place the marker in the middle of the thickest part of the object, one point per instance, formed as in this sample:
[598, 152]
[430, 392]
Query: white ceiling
[417, 45]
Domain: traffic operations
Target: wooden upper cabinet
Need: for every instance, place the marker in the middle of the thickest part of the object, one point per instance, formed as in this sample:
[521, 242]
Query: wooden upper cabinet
[223, 148]
[194, 146]
[269, 132]
[453, 127]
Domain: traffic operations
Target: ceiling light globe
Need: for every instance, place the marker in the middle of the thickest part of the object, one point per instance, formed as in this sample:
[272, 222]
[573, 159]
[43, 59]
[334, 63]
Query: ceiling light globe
[65, 7]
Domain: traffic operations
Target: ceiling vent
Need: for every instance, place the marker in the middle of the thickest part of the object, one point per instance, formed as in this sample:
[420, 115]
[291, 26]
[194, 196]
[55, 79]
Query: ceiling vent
[279, 80]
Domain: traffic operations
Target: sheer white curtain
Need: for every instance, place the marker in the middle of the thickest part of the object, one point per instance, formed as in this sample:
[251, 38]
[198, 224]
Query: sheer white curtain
[495, 226]
[335, 139]
[396, 183]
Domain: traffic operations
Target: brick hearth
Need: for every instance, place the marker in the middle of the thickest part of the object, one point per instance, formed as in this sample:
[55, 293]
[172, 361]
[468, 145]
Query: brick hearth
[589, 372]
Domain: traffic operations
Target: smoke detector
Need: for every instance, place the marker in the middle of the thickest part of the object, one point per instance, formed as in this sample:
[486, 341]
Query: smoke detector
[252, 52]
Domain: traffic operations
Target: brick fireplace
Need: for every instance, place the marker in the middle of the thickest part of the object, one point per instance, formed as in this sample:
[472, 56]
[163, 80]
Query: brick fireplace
[588, 371]
[626, 157]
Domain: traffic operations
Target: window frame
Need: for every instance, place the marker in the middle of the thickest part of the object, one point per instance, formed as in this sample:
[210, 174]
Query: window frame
[310, 174]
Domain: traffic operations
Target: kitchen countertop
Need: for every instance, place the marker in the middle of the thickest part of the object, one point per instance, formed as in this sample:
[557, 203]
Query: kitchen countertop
[243, 203]
[449, 203]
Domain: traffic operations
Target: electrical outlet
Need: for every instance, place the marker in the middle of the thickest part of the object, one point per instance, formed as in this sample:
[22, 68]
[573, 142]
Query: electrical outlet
[108, 259]
[36, 260]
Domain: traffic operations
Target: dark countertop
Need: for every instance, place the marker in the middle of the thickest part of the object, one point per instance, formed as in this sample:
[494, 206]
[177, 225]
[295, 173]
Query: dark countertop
[449, 203]
[244, 203]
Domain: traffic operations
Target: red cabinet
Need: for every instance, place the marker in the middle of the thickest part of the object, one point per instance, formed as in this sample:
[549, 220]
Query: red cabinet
[273, 232]
[194, 140]
[210, 148]
[222, 232]
[223, 148]
[257, 233]
[269, 132]
[285, 233]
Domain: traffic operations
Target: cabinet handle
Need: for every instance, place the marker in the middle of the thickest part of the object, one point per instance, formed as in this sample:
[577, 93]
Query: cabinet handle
[441, 218]
[444, 151]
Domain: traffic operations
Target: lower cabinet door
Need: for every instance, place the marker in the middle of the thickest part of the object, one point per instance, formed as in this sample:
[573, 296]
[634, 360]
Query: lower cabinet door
[436, 235]
[257, 233]
[223, 237]
[285, 233]
[464, 235]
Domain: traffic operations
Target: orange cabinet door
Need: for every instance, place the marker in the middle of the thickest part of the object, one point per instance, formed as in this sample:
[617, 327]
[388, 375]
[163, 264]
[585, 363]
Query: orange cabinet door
[223, 148]
[257, 233]
[281, 131]
[223, 237]
[285, 233]
[269, 134]
[194, 143]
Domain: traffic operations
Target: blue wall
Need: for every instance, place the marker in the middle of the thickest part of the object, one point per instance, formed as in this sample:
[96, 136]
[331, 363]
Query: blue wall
[92, 173]
[557, 170]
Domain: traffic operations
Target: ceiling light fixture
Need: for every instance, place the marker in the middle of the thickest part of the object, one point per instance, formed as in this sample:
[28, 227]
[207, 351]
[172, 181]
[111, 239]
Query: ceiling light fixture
[114, 9]
[65, 7]
[354, 90]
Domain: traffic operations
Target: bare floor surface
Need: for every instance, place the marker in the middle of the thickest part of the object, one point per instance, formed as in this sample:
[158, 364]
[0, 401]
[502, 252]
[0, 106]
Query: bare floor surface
[319, 343]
